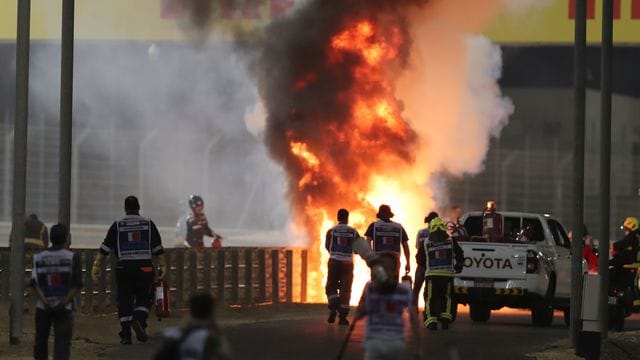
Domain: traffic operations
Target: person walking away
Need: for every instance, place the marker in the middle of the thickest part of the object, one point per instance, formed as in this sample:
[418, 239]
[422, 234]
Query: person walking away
[198, 226]
[35, 234]
[422, 236]
[339, 243]
[389, 236]
[443, 258]
[56, 279]
[384, 302]
[134, 240]
[199, 338]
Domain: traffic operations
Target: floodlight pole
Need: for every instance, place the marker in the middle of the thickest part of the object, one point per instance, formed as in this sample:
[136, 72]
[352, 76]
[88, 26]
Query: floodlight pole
[579, 87]
[19, 172]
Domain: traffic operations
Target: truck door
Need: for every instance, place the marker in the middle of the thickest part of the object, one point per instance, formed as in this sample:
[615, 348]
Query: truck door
[563, 262]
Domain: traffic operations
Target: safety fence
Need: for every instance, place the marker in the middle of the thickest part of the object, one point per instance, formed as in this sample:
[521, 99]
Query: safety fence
[235, 276]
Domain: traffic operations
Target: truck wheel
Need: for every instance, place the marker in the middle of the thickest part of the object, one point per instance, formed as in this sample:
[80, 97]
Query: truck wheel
[479, 313]
[567, 316]
[542, 313]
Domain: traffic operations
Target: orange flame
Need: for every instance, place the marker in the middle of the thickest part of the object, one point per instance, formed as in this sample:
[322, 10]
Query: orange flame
[360, 161]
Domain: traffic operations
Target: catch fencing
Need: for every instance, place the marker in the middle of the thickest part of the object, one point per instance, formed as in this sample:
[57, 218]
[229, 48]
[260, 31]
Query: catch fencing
[235, 276]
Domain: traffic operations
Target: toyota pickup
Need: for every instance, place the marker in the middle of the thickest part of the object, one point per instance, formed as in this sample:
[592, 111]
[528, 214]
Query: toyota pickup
[522, 269]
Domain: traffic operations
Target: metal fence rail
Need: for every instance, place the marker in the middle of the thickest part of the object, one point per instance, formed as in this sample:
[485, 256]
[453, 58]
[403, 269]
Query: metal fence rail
[236, 276]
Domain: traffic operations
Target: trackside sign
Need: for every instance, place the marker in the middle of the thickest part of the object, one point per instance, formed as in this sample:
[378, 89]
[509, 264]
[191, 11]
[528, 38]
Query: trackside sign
[546, 22]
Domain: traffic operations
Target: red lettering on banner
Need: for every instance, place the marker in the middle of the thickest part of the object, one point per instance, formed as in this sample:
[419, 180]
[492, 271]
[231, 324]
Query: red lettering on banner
[591, 9]
[635, 9]
[279, 7]
[616, 9]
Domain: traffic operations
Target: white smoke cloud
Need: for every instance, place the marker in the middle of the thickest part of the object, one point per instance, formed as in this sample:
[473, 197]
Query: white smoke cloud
[187, 101]
[451, 91]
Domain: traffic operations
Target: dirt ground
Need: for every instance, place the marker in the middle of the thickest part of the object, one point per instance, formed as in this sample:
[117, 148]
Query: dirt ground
[618, 346]
[94, 335]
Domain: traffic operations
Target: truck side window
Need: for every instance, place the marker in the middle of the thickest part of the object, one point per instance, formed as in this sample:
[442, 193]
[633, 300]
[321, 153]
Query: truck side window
[559, 235]
[511, 226]
[536, 225]
[473, 224]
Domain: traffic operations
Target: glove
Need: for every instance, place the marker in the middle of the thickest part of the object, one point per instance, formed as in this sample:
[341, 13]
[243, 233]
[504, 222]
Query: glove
[458, 268]
[96, 269]
[162, 266]
[407, 268]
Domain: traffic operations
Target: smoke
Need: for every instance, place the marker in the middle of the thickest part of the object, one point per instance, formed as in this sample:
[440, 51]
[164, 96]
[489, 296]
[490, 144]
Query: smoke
[450, 88]
[446, 93]
[161, 120]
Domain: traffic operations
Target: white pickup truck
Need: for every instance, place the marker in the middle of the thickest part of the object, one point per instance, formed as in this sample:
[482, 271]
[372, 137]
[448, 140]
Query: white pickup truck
[532, 273]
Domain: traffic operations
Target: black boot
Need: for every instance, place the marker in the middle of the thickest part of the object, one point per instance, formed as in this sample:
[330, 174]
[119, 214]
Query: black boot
[139, 329]
[125, 338]
[444, 323]
[343, 320]
[332, 316]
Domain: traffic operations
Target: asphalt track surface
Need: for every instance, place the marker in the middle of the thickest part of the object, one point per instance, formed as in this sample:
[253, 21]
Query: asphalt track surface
[507, 335]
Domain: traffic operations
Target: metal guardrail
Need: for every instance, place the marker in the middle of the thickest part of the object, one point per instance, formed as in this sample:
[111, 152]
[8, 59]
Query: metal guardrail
[235, 276]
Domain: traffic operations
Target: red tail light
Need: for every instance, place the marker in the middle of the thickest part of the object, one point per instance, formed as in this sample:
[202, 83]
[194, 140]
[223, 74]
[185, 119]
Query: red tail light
[532, 262]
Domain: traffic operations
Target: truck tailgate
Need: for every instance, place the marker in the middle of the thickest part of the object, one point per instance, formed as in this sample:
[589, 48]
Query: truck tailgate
[494, 261]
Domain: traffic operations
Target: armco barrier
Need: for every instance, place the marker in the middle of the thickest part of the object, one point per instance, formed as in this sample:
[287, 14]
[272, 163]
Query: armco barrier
[236, 276]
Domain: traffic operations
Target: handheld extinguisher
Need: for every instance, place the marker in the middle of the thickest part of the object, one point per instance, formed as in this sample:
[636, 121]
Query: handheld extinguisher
[162, 299]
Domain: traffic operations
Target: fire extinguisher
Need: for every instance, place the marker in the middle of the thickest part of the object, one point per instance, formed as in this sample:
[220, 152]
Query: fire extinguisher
[217, 242]
[162, 299]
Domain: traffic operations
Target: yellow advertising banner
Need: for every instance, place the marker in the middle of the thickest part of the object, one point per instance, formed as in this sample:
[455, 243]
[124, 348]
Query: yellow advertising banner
[551, 22]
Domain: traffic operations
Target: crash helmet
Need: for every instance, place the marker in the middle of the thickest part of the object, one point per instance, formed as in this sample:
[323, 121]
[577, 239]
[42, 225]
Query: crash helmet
[630, 224]
[436, 225]
[194, 201]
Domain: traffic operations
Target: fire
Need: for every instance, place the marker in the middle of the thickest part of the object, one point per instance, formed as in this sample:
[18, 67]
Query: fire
[360, 159]
[330, 77]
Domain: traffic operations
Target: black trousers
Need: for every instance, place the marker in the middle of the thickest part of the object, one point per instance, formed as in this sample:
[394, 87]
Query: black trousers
[338, 287]
[62, 322]
[135, 296]
[437, 298]
[621, 278]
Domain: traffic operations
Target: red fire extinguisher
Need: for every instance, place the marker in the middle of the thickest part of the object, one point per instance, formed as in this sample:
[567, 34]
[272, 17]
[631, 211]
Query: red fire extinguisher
[162, 299]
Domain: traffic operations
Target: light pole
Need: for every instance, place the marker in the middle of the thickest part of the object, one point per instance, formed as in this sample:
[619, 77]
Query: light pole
[605, 161]
[19, 172]
[66, 114]
[580, 70]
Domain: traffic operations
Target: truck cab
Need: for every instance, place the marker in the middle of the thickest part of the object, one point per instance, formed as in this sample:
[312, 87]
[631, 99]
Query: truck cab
[526, 271]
